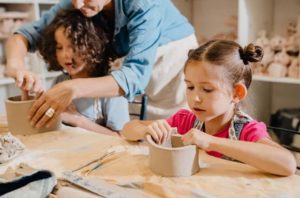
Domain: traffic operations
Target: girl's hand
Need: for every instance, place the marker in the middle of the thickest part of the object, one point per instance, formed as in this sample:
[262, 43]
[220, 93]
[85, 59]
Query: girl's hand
[198, 138]
[160, 130]
[47, 108]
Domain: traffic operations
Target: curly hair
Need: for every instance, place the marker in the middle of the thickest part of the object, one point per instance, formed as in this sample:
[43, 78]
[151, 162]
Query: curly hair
[86, 38]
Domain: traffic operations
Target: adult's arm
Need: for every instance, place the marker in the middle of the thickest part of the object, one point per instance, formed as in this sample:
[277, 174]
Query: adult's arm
[144, 21]
[23, 40]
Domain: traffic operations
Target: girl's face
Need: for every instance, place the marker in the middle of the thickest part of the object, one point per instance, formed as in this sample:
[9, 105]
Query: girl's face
[71, 61]
[208, 95]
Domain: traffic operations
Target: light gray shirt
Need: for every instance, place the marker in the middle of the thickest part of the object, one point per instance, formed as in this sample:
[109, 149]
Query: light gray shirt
[109, 112]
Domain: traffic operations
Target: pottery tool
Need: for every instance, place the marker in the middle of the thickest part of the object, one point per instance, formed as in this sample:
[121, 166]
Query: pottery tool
[105, 190]
[99, 159]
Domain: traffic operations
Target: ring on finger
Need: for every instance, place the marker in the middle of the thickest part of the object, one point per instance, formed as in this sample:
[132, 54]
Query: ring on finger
[50, 112]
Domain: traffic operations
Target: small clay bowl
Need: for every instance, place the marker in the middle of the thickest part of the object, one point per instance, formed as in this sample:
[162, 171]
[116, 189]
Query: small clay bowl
[173, 159]
[17, 117]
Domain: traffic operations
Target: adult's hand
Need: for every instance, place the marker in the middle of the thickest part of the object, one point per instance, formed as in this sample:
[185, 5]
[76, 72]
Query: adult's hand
[54, 101]
[16, 50]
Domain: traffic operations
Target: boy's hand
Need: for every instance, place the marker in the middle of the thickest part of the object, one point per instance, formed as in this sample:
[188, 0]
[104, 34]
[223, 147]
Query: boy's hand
[160, 130]
[198, 138]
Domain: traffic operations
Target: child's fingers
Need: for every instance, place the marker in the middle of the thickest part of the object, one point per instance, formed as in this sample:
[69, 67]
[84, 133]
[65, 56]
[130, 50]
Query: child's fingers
[158, 131]
[19, 79]
[153, 134]
[168, 129]
[186, 139]
[37, 85]
[164, 131]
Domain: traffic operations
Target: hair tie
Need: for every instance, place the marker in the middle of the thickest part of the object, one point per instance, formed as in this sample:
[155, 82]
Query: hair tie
[243, 56]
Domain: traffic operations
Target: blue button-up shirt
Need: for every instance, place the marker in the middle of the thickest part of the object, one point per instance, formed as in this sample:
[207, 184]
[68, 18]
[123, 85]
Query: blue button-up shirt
[141, 26]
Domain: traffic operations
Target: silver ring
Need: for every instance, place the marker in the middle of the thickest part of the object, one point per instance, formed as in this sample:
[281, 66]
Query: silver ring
[50, 112]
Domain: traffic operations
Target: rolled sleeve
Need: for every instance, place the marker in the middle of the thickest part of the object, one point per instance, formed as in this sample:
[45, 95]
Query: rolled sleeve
[143, 27]
[116, 112]
[31, 31]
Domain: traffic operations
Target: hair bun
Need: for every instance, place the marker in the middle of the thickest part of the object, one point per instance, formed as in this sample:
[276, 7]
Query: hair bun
[251, 53]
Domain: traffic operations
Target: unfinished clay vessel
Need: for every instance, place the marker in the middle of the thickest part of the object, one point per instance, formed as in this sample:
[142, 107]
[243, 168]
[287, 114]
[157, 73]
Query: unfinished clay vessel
[17, 117]
[173, 159]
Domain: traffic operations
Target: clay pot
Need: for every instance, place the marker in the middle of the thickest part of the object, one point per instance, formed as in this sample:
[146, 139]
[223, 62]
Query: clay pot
[17, 117]
[173, 159]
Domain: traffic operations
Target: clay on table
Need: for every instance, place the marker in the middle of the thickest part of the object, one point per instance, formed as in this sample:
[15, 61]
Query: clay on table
[17, 117]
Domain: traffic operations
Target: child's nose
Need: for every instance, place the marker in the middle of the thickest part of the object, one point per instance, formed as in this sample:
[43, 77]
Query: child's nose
[197, 98]
[68, 53]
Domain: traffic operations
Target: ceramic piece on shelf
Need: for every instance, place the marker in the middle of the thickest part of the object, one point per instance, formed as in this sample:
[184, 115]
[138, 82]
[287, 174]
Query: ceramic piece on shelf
[176, 160]
[293, 70]
[259, 68]
[292, 44]
[277, 43]
[262, 40]
[277, 70]
[6, 26]
[268, 56]
[17, 117]
[282, 58]
[2, 70]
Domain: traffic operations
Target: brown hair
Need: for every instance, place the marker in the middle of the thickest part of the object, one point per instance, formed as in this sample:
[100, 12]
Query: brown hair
[230, 55]
[88, 39]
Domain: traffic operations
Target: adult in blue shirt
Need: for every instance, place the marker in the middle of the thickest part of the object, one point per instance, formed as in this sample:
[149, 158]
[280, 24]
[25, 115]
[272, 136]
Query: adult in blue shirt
[153, 37]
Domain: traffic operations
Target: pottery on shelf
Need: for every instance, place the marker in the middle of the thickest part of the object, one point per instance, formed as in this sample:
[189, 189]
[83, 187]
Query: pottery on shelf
[173, 159]
[17, 117]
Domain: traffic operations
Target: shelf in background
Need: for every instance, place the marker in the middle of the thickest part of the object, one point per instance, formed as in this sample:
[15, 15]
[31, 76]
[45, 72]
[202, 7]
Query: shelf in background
[8, 80]
[17, 1]
[276, 80]
[52, 74]
[47, 1]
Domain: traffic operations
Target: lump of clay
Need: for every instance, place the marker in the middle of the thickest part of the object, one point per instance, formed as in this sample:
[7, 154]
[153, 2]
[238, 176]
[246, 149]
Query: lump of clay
[293, 70]
[10, 147]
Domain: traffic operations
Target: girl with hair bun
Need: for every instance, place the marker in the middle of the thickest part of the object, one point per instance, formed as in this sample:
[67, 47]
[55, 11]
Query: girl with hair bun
[217, 76]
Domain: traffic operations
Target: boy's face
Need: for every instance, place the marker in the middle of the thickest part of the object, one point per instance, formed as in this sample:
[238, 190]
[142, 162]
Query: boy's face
[71, 61]
[208, 95]
[90, 7]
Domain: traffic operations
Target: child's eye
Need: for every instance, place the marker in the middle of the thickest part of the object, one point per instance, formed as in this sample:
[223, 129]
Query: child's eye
[207, 90]
[58, 47]
[190, 87]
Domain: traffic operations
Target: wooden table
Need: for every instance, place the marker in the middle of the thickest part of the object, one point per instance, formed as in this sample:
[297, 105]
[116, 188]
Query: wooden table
[70, 148]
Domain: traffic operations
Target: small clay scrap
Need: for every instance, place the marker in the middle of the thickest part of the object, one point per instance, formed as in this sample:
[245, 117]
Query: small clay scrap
[10, 147]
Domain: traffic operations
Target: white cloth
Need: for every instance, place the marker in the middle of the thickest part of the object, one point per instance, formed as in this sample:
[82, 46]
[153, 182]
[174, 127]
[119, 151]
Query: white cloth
[166, 88]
